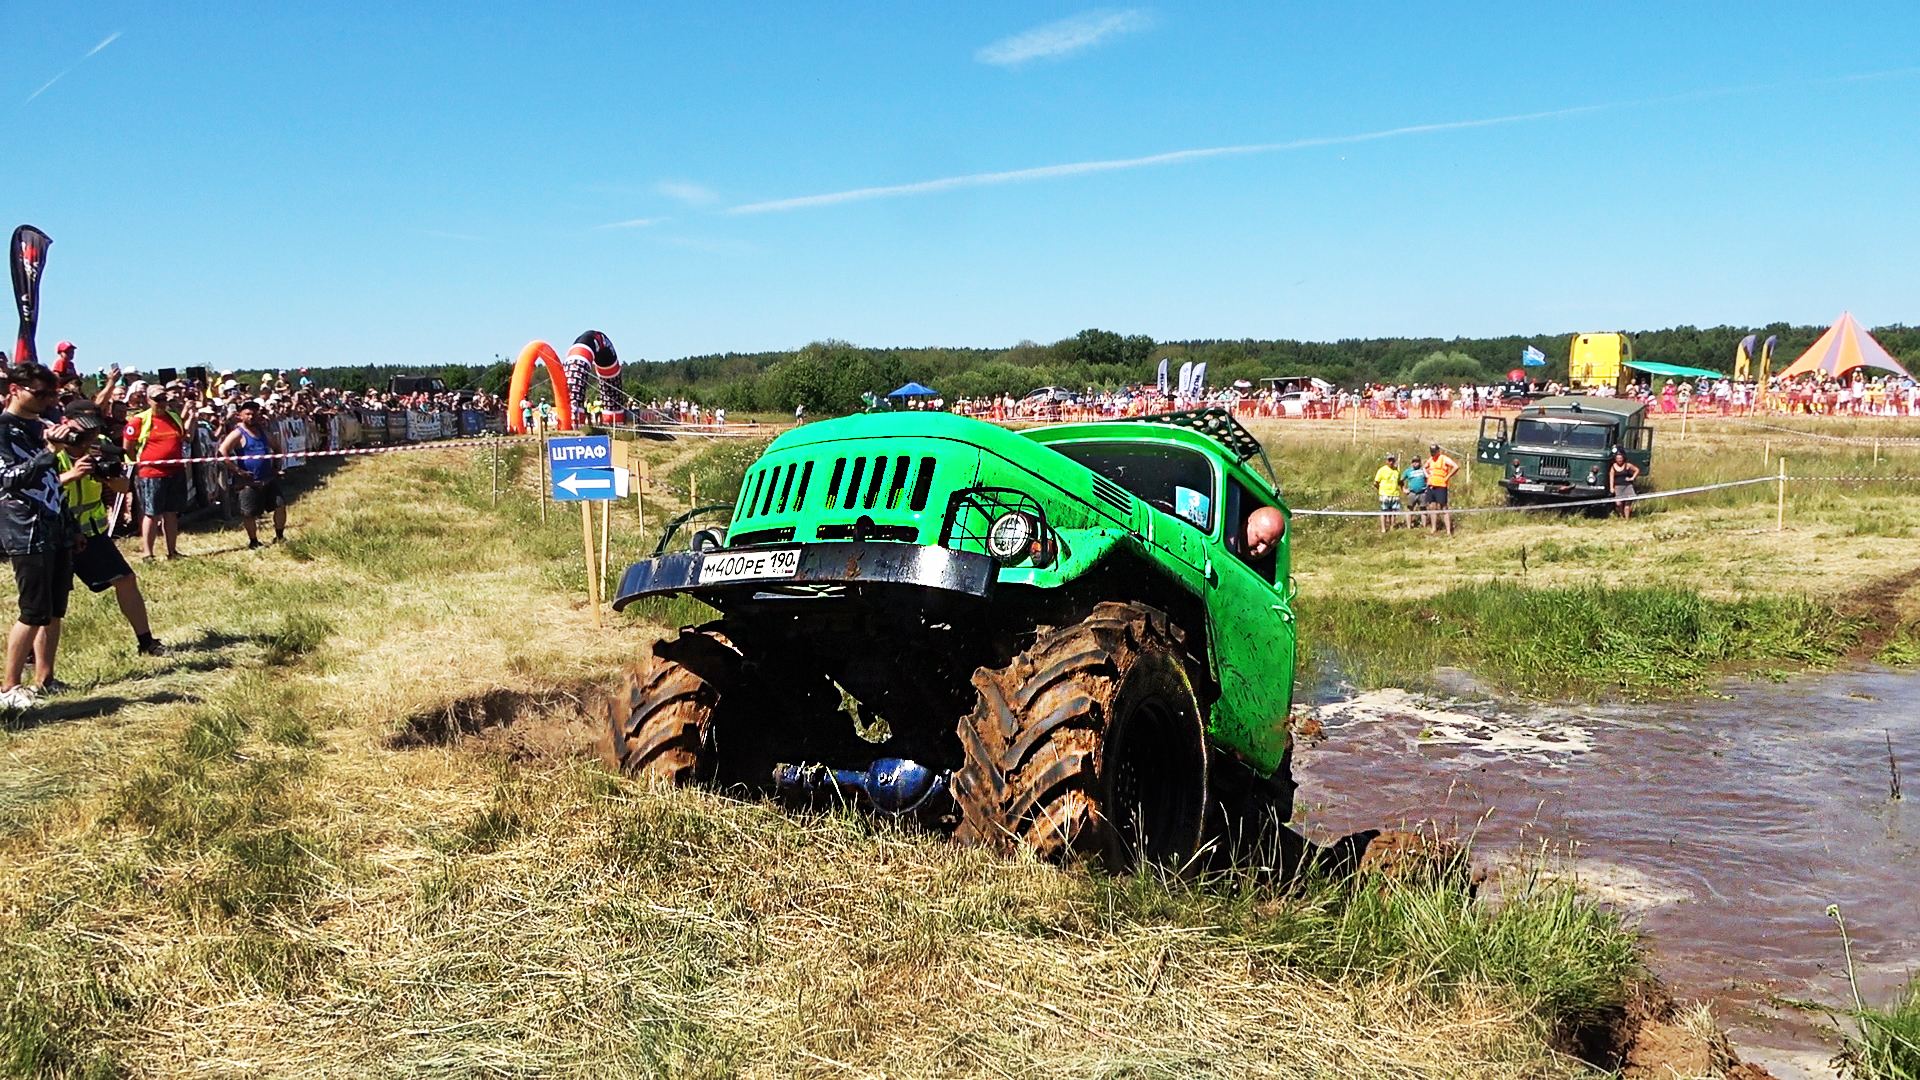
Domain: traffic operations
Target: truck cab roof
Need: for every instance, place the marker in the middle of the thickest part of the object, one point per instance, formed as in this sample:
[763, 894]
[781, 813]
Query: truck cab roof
[1581, 407]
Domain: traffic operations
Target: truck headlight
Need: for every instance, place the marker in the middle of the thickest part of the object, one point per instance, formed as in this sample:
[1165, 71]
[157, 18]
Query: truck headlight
[1010, 537]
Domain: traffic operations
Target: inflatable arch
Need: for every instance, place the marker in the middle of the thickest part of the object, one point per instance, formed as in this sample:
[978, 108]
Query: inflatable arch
[592, 356]
[523, 379]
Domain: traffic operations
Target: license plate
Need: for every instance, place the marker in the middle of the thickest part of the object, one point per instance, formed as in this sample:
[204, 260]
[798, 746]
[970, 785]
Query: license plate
[1533, 487]
[748, 565]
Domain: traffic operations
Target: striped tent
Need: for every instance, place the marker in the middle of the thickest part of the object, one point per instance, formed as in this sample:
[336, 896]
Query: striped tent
[1846, 345]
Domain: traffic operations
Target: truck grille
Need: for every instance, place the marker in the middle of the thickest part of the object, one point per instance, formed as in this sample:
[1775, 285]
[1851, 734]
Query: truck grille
[773, 490]
[1555, 468]
[881, 482]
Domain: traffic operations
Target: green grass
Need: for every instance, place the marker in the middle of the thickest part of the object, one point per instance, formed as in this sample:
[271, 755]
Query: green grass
[1888, 1046]
[1577, 641]
[1562, 959]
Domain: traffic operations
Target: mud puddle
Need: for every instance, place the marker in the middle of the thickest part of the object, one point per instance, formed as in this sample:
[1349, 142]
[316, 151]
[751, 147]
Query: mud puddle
[1725, 826]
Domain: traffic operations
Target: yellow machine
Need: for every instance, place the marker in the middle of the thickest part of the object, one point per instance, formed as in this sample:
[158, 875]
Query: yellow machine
[1596, 359]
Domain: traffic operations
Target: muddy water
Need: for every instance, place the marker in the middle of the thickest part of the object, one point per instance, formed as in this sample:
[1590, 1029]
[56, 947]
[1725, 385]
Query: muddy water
[1725, 826]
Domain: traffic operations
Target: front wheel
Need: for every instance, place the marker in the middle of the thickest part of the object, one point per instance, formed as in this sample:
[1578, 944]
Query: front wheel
[1089, 742]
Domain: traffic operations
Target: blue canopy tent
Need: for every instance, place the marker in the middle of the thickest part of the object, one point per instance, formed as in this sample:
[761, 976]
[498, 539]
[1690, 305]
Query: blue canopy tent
[914, 389]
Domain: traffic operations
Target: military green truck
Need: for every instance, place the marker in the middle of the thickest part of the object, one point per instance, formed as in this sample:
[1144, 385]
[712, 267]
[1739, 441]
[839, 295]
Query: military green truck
[1069, 637]
[1558, 448]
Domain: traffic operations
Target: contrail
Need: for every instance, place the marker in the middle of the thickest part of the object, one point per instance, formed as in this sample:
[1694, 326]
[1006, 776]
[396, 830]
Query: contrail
[108, 40]
[1077, 168]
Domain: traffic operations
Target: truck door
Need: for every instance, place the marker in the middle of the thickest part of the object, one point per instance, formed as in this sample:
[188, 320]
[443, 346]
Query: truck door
[1250, 626]
[1493, 441]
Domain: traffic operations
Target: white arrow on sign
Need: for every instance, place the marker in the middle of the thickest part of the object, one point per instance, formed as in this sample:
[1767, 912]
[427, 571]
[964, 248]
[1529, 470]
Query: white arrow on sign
[575, 483]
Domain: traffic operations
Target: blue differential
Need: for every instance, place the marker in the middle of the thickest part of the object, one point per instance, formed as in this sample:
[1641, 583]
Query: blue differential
[889, 785]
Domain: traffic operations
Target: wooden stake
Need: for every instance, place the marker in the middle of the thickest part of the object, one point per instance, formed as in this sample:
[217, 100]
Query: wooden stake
[606, 525]
[586, 541]
[1780, 519]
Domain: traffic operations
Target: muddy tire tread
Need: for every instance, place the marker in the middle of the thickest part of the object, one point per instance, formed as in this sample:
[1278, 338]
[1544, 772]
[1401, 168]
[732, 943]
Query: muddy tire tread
[1033, 740]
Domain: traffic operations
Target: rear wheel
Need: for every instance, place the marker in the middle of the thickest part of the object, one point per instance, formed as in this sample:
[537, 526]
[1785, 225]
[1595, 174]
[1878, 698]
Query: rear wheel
[1089, 742]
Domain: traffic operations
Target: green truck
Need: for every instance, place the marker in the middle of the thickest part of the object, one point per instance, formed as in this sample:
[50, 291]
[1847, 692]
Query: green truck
[1557, 448]
[1078, 638]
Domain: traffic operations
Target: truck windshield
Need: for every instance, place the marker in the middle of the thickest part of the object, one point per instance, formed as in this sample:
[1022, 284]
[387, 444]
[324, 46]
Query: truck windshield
[1173, 478]
[1574, 436]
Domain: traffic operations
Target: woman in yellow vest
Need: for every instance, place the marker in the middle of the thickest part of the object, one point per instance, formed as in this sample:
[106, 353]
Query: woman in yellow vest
[86, 476]
[1386, 481]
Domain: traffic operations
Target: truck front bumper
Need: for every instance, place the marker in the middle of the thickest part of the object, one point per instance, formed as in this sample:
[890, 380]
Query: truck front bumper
[819, 564]
[1555, 488]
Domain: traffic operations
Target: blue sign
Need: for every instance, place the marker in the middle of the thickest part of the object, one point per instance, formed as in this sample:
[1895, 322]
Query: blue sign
[1532, 357]
[581, 467]
[582, 485]
[580, 451]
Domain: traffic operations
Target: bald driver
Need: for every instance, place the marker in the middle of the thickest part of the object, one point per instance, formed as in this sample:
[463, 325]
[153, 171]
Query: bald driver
[1264, 529]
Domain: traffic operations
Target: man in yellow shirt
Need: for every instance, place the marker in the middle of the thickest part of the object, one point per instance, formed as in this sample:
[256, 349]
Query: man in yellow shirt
[1386, 480]
[1440, 470]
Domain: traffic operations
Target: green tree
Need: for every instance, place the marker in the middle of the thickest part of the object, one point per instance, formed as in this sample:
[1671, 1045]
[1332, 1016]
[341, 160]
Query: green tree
[1448, 367]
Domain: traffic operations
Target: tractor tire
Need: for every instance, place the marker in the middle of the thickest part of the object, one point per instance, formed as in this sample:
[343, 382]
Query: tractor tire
[1090, 742]
[660, 720]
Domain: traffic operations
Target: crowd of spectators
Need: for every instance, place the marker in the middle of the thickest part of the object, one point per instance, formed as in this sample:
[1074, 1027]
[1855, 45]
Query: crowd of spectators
[85, 461]
[1889, 395]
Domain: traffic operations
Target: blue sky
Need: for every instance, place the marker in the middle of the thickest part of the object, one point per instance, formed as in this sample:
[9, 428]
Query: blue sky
[239, 186]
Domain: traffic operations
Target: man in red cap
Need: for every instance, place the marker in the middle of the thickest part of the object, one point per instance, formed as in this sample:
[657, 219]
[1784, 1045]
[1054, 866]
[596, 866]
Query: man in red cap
[63, 366]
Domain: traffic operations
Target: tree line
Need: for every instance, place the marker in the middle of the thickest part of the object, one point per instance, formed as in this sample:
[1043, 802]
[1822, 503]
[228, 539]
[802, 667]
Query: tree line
[832, 376]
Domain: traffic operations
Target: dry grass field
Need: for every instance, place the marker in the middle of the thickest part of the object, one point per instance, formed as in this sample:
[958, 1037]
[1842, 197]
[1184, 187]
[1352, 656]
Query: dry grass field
[350, 829]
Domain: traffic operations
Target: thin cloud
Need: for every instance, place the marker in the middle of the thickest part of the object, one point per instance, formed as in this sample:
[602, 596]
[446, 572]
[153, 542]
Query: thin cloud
[108, 40]
[1070, 35]
[687, 192]
[1078, 168]
[636, 223]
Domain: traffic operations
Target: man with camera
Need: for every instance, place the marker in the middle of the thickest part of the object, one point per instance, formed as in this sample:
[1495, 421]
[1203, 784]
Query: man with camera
[91, 466]
[36, 532]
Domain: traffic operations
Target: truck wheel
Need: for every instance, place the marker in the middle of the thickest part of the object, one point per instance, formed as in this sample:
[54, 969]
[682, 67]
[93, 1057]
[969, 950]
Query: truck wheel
[660, 719]
[1089, 742]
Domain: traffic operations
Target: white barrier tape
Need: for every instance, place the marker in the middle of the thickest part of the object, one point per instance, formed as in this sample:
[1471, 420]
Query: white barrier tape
[1858, 479]
[710, 431]
[1609, 501]
[448, 444]
[1854, 440]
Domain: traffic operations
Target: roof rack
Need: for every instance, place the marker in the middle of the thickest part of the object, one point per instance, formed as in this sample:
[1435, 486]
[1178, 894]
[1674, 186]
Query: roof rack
[1215, 423]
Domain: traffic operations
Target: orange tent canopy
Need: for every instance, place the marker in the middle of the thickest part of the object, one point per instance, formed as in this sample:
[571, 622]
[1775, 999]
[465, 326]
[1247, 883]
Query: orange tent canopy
[1845, 346]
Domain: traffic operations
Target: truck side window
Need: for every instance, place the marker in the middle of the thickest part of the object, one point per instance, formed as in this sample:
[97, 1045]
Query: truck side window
[1241, 503]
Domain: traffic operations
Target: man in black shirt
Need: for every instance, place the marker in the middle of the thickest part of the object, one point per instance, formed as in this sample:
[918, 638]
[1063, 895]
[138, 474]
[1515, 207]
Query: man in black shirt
[36, 532]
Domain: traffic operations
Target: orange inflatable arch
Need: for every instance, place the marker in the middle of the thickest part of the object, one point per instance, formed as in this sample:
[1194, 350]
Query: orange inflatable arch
[523, 380]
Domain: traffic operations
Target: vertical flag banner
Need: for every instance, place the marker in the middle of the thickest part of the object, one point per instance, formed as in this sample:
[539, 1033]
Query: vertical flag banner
[1199, 378]
[1163, 376]
[1743, 357]
[1186, 379]
[28, 253]
[1532, 357]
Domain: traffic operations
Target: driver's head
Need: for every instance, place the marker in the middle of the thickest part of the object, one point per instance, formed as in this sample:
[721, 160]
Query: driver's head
[1265, 526]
